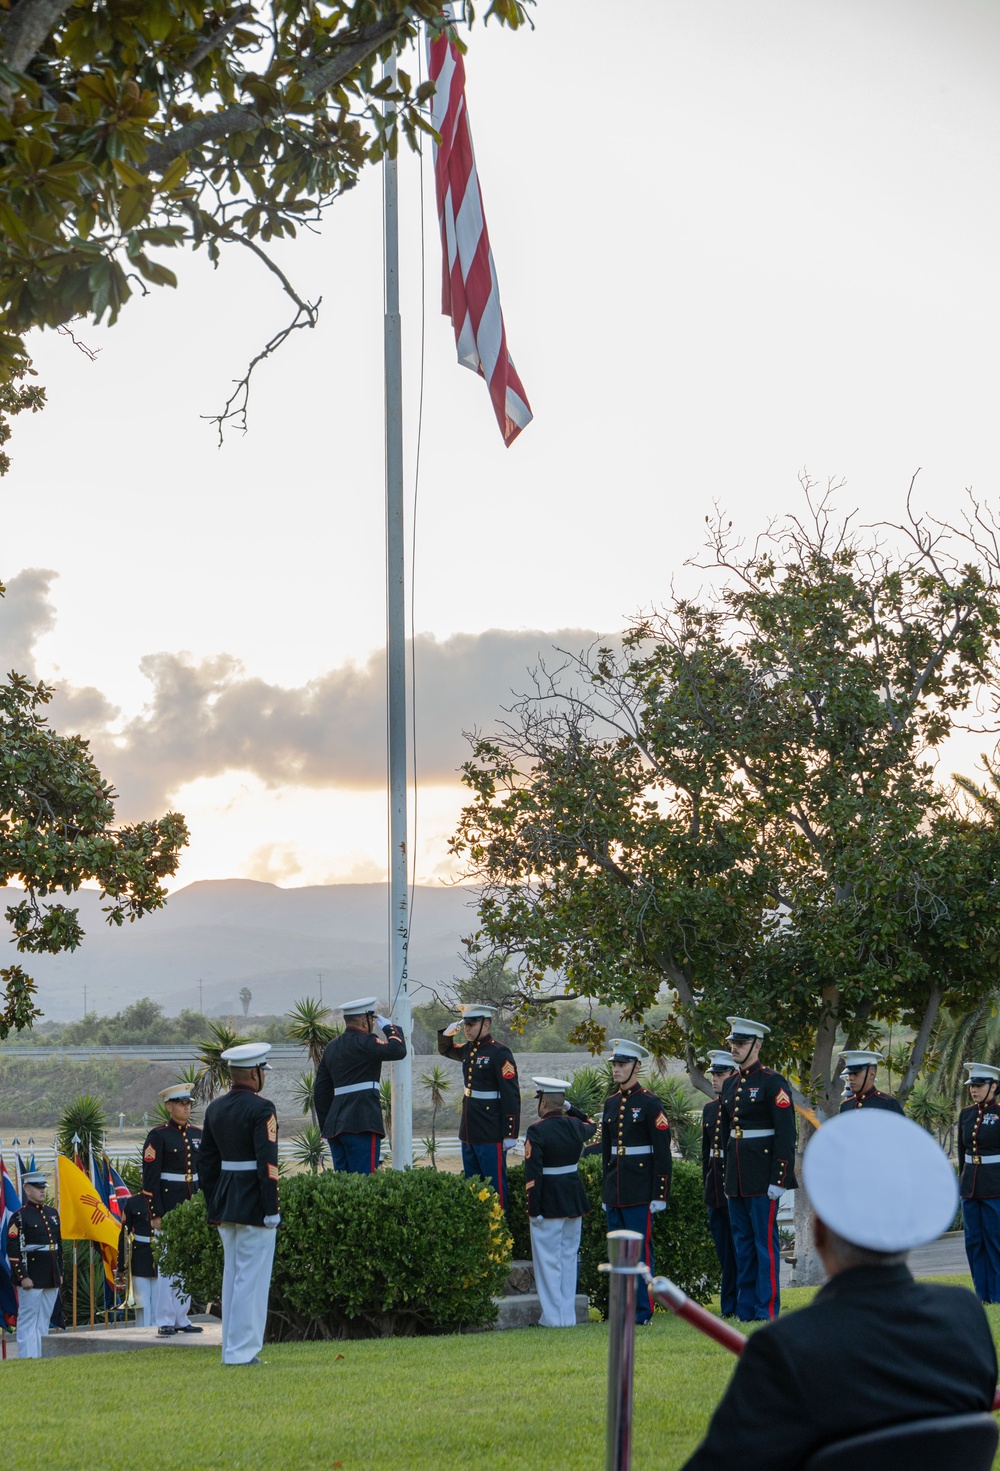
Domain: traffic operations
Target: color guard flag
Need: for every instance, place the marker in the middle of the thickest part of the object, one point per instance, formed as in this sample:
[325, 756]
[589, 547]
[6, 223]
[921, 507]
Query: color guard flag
[470, 295]
[82, 1213]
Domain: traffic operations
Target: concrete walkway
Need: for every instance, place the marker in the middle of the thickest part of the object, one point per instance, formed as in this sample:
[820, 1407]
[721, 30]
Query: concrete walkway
[944, 1257]
[122, 1340]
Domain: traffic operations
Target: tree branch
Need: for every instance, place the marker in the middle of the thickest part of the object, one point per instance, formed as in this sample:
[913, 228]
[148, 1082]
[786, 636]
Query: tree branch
[26, 27]
[210, 43]
[315, 81]
[920, 1043]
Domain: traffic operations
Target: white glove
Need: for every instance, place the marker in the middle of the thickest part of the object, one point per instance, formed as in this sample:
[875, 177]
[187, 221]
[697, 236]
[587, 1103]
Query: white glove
[657, 1205]
[383, 1021]
[450, 1031]
[272, 1222]
[775, 1192]
[538, 1219]
[510, 1144]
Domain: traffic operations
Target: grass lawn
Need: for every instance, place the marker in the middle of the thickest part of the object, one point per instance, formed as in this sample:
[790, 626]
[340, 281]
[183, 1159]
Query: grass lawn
[532, 1400]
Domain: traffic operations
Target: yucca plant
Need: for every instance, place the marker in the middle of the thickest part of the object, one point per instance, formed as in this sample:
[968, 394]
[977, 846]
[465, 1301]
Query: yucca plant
[85, 1118]
[309, 1148]
[307, 1025]
[385, 1099]
[437, 1084]
[304, 1091]
[931, 1109]
[213, 1073]
[681, 1104]
[588, 1090]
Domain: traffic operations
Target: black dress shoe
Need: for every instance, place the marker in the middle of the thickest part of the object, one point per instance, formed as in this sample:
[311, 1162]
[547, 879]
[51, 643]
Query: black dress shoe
[165, 1332]
[190, 1328]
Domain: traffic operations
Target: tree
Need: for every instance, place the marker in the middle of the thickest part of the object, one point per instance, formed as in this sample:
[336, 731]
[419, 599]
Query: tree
[82, 1128]
[246, 996]
[213, 1073]
[737, 808]
[56, 833]
[126, 131]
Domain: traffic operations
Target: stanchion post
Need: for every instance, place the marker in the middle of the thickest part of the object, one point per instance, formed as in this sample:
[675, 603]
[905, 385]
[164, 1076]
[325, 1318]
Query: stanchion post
[624, 1255]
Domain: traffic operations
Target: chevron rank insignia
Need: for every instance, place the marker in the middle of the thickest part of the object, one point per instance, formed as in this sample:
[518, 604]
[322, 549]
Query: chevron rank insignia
[509, 1070]
[272, 1172]
[149, 1153]
[527, 1148]
[272, 1130]
[662, 1122]
[782, 1100]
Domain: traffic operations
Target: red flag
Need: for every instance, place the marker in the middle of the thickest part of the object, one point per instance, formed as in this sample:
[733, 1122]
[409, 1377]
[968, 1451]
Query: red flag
[470, 294]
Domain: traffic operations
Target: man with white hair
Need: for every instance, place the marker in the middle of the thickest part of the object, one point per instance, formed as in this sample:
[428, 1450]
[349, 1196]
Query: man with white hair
[874, 1348]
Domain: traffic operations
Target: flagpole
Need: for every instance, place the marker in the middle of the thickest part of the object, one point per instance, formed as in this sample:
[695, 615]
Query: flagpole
[395, 554]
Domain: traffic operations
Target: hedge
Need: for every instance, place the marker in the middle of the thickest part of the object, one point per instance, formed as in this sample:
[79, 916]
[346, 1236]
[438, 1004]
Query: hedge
[682, 1243]
[358, 1256]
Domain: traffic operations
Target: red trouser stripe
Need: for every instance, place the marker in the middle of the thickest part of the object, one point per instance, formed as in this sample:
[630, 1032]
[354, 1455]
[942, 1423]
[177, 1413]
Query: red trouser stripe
[770, 1257]
[500, 1178]
[374, 1153]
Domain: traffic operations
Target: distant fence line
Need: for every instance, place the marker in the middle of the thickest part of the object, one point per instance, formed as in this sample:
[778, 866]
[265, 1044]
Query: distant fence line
[177, 1052]
[448, 1146]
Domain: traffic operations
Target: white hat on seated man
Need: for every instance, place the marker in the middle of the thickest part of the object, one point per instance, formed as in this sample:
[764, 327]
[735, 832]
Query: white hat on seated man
[742, 1029]
[880, 1181]
[247, 1054]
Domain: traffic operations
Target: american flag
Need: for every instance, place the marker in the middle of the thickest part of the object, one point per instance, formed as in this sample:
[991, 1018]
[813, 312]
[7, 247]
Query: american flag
[9, 1203]
[470, 295]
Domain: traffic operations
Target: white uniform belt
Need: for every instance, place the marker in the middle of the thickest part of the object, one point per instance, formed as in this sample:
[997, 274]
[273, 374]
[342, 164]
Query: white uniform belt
[145, 1240]
[632, 1149]
[239, 1164]
[559, 1170]
[976, 1159]
[475, 1093]
[176, 1179]
[753, 1133]
[40, 1248]
[354, 1088]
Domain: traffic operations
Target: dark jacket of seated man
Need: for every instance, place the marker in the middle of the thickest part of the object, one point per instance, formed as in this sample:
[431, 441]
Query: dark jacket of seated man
[873, 1348]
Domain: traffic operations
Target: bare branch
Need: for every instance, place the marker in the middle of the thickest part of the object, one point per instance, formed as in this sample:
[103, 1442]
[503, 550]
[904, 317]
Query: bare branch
[213, 41]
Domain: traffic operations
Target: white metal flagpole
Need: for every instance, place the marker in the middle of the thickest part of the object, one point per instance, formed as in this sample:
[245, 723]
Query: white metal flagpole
[395, 568]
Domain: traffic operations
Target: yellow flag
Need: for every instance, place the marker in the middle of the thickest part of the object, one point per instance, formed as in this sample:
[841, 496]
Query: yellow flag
[82, 1214]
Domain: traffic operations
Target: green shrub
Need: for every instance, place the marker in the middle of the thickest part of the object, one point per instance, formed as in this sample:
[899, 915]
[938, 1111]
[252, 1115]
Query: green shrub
[398, 1252]
[682, 1243]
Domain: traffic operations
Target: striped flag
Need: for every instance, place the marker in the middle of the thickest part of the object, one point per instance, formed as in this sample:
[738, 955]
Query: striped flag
[470, 295]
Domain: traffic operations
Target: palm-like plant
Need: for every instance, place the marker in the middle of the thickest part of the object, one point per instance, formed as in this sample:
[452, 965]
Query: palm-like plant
[437, 1084]
[385, 1100]
[929, 1108]
[589, 1088]
[681, 1104]
[309, 1148]
[213, 1073]
[85, 1120]
[307, 1024]
[304, 1089]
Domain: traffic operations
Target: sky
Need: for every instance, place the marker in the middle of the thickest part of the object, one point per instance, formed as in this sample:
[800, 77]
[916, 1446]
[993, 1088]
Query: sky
[763, 241]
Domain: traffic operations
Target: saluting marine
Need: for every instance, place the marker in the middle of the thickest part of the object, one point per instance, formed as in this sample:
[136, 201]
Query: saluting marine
[635, 1133]
[861, 1067]
[714, 1138]
[491, 1102]
[169, 1177]
[34, 1251]
[760, 1167]
[979, 1178]
[557, 1199]
[135, 1248]
[346, 1090]
[239, 1172]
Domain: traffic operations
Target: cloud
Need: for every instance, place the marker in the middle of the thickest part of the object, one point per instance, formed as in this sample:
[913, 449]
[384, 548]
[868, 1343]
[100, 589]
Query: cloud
[25, 615]
[272, 863]
[205, 717]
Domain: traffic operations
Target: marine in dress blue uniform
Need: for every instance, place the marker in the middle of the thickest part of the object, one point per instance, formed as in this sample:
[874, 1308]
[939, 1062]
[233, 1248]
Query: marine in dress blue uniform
[34, 1251]
[635, 1134]
[557, 1198]
[860, 1067]
[760, 1167]
[491, 1098]
[169, 1177]
[239, 1174]
[979, 1179]
[714, 1137]
[346, 1090]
